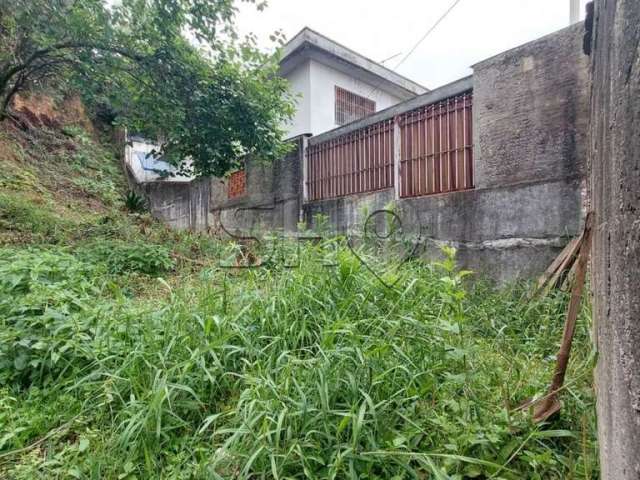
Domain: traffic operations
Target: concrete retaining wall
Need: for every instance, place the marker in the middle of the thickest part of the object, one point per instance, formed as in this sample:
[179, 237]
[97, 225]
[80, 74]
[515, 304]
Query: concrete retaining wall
[615, 189]
[273, 200]
[181, 205]
[530, 116]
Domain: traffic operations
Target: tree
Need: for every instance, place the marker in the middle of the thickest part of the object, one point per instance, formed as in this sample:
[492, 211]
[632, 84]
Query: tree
[170, 69]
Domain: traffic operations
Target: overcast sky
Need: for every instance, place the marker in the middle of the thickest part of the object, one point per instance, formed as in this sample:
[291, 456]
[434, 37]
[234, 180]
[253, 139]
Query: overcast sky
[379, 29]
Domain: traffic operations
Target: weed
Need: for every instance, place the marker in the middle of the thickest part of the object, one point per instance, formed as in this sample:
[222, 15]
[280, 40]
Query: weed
[25, 220]
[309, 367]
[134, 202]
[309, 372]
[126, 257]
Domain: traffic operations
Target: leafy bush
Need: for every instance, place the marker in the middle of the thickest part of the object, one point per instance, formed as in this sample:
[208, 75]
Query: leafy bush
[44, 297]
[134, 202]
[127, 257]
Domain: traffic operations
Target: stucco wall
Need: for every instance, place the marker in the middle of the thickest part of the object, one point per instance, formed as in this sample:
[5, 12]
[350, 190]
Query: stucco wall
[150, 171]
[324, 79]
[314, 83]
[300, 84]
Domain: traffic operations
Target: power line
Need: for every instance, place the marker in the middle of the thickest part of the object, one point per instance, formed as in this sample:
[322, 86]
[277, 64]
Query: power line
[382, 62]
[433, 27]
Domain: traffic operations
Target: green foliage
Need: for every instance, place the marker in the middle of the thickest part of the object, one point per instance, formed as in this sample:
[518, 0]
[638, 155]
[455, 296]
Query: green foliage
[61, 187]
[213, 103]
[41, 294]
[311, 372]
[22, 217]
[134, 202]
[128, 257]
[101, 188]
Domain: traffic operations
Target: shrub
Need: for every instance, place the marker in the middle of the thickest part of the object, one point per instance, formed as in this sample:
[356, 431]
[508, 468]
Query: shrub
[44, 298]
[128, 257]
[134, 202]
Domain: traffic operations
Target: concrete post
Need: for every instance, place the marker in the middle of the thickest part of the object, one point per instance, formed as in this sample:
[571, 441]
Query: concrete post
[305, 166]
[397, 145]
[615, 192]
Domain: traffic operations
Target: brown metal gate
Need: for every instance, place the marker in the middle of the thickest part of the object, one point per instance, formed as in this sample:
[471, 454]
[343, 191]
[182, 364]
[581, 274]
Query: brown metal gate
[360, 161]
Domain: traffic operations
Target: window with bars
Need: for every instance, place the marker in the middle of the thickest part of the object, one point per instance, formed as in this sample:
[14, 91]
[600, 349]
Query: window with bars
[351, 106]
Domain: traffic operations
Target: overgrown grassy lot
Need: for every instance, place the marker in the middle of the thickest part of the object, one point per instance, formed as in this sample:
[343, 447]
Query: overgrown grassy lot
[128, 351]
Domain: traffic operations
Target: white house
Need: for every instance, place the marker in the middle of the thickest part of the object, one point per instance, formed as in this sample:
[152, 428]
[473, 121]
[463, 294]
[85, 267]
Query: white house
[336, 85]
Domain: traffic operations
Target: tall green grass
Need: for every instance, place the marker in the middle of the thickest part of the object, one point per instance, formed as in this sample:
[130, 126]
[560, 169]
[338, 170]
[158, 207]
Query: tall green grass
[318, 372]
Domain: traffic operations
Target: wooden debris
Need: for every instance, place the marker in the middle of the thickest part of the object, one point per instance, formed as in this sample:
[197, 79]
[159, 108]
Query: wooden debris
[557, 272]
[553, 268]
[549, 404]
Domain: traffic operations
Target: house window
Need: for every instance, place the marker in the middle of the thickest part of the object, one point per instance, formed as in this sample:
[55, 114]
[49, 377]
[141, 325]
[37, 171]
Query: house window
[237, 184]
[351, 106]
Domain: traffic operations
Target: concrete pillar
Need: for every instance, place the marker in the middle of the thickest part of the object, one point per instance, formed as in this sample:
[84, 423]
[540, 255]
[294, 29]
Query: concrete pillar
[397, 146]
[615, 192]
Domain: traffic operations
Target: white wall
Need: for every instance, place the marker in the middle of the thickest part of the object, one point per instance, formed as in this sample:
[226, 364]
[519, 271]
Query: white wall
[316, 83]
[300, 83]
[143, 175]
[324, 79]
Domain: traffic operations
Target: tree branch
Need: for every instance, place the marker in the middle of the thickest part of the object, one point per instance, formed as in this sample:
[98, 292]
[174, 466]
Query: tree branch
[38, 54]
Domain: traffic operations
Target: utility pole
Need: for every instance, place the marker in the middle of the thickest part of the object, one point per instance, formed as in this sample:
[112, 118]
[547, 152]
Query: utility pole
[574, 11]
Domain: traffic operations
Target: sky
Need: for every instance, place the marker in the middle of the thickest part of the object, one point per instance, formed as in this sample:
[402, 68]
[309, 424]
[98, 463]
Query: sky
[379, 29]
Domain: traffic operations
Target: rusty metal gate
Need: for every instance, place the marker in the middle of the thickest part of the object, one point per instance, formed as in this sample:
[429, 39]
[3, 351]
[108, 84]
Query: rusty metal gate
[360, 161]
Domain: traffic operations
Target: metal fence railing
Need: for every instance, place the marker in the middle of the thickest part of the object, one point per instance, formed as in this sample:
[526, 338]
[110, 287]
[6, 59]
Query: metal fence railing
[361, 161]
[434, 154]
